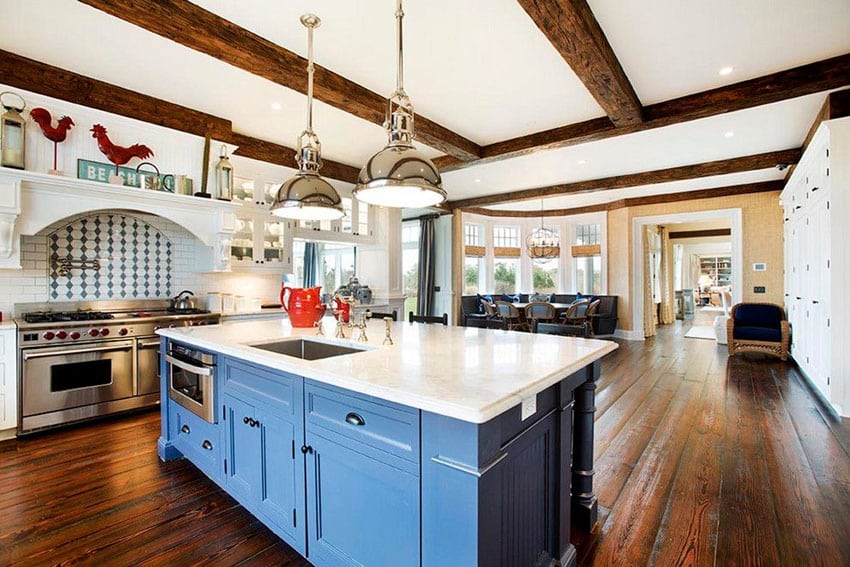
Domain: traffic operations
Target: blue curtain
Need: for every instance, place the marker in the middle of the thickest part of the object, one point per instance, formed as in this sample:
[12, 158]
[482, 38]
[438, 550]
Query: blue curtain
[311, 264]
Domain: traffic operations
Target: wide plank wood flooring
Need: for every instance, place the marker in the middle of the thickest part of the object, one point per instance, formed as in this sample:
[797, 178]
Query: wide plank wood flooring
[700, 460]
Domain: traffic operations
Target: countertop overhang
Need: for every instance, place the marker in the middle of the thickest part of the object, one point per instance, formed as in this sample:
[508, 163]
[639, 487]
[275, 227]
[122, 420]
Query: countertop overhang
[460, 372]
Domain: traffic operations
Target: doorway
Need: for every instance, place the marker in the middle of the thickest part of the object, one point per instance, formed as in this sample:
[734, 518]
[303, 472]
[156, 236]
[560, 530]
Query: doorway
[715, 237]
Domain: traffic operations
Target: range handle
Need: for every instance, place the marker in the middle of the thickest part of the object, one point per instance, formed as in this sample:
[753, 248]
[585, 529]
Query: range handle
[31, 355]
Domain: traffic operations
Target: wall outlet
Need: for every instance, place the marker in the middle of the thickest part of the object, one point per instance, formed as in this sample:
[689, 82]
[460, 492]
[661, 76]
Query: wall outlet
[759, 289]
[759, 267]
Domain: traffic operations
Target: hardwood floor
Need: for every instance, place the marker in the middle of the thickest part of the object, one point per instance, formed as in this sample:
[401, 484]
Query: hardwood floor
[700, 460]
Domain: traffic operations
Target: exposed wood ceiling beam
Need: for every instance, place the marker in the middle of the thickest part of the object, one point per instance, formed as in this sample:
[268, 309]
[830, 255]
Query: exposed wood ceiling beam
[573, 30]
[836, 105]
[817, 77]
[34, 76]
[728, 191]
[681, 173]
[31, 75]
[205, 32]
[707, 233]
[270, 152]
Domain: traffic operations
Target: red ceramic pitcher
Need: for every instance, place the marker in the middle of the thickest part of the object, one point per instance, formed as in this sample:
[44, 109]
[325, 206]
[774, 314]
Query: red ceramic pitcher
[342, 308]
[304, 305]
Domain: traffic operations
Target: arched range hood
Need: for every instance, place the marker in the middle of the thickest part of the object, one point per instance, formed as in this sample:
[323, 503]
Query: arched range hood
[30, 202]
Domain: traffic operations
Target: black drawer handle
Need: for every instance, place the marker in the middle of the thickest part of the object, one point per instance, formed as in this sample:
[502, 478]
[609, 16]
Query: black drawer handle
[185, 429]
[815, 301]
[250, 421]
[355, 419]
[207, 445]
[246, 419]
[306, 449]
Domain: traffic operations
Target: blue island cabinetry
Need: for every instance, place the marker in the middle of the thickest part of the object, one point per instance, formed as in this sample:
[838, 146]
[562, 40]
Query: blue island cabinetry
[350, 479]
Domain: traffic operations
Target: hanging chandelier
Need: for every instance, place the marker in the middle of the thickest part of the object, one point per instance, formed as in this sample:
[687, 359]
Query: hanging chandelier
[399, 175]
[307, 195]
[543, 244]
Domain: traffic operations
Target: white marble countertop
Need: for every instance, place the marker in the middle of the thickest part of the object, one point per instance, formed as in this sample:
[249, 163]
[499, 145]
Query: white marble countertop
[6, 325]
[465, 373]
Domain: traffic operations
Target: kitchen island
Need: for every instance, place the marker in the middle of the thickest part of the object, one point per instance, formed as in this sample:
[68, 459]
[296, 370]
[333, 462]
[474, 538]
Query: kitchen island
[453, 446]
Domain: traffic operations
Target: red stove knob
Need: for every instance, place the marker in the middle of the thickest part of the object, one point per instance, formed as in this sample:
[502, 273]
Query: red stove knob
[61, 335]
[122, 331]
[93, 332]
[104, 332]
[48, 336]
[75, 335]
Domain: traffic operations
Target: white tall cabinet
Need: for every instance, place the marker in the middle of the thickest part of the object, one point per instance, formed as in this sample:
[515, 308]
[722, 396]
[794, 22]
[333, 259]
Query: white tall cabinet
[817, 262]
[8, 380]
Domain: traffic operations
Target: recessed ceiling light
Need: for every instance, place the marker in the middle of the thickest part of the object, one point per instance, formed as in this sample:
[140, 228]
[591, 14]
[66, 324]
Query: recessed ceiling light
[478, 181]
[726, 71]
[729, 134]
[581, 162]
[276, 106]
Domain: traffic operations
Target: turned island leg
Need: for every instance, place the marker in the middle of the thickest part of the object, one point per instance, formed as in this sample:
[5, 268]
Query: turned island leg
[584, 504]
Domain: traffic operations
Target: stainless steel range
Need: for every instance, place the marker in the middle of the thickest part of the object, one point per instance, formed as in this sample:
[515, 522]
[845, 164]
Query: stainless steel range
[79, 360]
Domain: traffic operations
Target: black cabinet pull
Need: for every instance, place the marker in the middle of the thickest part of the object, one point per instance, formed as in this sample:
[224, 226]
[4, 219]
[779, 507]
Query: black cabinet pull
[798, 207]
[306, 449]
[355, 419]
[185, 429]
[246, 419]
[255, 423]
[815, 301]
[207, 445]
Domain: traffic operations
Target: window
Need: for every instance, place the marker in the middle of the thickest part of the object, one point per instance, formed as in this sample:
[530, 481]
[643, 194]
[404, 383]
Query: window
[473, 270]
[336, 265]
[472, 235]
[506, 237]
[587, 263]
[504, 275]
[410, 263]
[544, 277]
[298, 263]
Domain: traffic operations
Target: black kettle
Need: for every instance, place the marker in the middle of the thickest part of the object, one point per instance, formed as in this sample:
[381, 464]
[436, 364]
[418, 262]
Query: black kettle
[183, 301]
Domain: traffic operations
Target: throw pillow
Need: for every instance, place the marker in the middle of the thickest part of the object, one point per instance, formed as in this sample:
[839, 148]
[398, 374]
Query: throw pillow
[510, 298]
[487, 298]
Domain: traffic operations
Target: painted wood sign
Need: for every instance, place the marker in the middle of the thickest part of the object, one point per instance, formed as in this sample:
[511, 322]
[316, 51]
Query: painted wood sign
[97, 171]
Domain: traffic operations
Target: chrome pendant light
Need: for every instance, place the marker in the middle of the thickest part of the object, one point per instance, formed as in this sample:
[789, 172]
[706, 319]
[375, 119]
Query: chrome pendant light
[400, 175]
[307, 196]
[543, 244]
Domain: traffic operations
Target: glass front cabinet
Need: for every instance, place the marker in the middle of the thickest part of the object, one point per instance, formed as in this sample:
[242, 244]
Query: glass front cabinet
[356, 226]
[262, 241]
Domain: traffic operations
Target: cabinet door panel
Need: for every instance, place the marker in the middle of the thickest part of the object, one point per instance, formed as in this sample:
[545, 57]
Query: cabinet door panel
[361, 511]
[282, 491]
[243, 450]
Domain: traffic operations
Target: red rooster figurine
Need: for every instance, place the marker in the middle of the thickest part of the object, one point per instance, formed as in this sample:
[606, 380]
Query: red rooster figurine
[42, 117]
[117, 154]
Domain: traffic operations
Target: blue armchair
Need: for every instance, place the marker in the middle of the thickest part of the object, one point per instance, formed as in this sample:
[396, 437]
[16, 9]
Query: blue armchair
[758, 327]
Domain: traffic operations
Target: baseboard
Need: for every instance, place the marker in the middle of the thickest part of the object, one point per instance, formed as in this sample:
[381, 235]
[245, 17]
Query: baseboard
[629, 335]
[833, 410]
[6, 434]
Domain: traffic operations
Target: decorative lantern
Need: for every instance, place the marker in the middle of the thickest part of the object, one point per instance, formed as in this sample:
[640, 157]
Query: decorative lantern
[224, 176]
[12, 133]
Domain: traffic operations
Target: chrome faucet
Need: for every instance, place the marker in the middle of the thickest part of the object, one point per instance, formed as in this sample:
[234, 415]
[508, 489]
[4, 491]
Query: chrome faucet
[388, 339]
[340, 325]
[362, 338]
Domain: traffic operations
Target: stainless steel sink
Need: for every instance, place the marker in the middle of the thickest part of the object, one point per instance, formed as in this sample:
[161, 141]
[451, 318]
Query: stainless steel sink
[306, 349]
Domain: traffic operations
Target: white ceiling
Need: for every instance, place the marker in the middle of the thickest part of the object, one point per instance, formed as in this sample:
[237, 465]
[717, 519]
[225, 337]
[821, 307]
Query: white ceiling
[478, 67]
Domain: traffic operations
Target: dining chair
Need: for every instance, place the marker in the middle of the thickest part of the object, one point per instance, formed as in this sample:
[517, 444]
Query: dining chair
[444, 318]
[540, 311]
[379, 315]
[574, 315]
[511, 316]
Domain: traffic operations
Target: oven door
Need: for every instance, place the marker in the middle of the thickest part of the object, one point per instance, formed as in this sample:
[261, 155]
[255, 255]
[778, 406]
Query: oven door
[191, 385]
[147, 351]
[77, 375]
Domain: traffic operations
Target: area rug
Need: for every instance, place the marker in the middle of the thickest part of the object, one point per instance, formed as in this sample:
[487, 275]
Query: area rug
[701, 332]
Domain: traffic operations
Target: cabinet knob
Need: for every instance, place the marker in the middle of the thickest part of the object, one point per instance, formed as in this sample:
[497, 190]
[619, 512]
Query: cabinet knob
[306, 449]
[246, 419]
[207, 445]
[185, 429]
[354, 419]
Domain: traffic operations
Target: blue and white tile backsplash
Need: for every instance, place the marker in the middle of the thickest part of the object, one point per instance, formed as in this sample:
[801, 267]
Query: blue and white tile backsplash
[135, 259]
